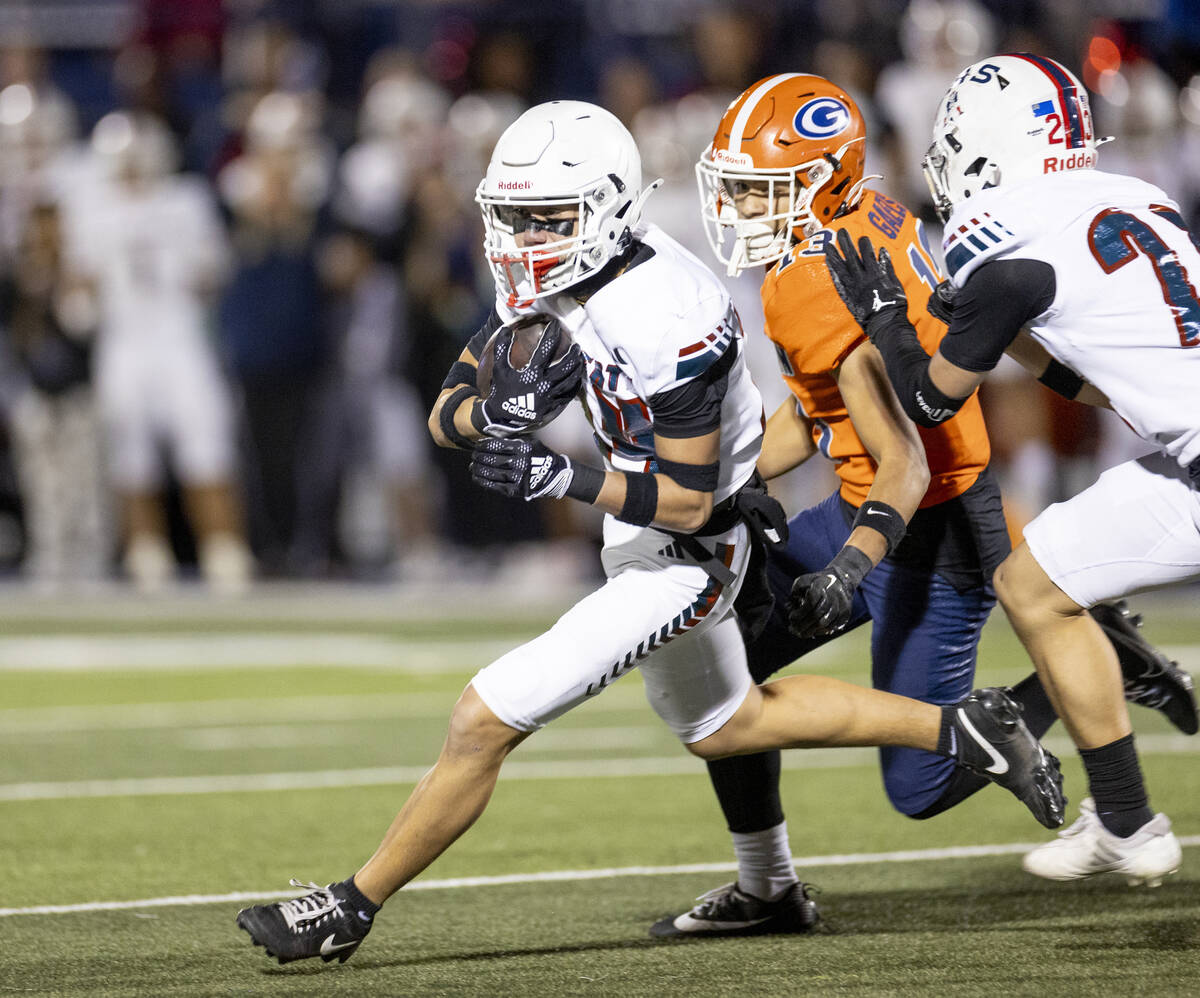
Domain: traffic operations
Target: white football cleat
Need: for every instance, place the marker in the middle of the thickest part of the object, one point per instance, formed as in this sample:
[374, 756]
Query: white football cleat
[1088, 848]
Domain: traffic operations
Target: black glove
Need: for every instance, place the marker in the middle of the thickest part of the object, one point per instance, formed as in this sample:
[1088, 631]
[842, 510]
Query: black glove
[521, 401]
[820, 602]
[521, 467]
[941, 302]
[869, 286]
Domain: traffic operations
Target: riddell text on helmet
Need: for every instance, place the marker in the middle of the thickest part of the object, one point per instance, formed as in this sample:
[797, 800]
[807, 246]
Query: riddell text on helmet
[1076, 161]
[515, 185]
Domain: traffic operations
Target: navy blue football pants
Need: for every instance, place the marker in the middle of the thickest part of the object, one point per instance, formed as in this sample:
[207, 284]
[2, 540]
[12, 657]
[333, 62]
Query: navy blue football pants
[923, 643]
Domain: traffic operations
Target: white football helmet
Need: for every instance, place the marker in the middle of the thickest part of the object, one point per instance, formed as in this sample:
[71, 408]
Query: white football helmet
[561, 155]
[1008, 118]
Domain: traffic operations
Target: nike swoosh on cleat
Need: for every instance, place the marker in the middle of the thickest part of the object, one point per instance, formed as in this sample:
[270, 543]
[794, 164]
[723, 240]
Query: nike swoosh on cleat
[329, 947]
[703, 925]
[999, 764]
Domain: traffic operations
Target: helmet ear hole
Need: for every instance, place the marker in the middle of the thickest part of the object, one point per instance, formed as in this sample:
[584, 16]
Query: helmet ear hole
[976, 168]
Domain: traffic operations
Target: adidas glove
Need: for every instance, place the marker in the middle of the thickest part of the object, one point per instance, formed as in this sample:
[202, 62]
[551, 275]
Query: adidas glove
[521, 401]
[821, 602]
[521, 467]
[867, 285]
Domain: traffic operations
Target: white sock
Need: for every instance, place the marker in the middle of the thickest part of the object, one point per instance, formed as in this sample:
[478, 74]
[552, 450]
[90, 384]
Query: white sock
[764, 862]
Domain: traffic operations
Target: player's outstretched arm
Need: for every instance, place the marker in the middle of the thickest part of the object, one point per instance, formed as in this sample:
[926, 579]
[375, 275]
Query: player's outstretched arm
[931, 391]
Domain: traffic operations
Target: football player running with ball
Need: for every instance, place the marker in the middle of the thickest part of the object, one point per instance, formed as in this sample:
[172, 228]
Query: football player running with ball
[915, 531]
[658, 361]
[1089, 280]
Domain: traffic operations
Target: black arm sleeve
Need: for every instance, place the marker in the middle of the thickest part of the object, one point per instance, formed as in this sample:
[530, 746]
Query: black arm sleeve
[989, 311]
[694, 408]
[992, 307]
[907, 366]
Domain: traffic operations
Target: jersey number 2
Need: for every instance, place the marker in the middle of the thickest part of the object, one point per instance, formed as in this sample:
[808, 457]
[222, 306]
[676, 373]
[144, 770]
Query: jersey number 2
[1115, 237]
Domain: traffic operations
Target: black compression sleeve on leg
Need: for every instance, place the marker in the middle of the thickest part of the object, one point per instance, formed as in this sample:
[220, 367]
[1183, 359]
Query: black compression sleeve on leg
[747, 787]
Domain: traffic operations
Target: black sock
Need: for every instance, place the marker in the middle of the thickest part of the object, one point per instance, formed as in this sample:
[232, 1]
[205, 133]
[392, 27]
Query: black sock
[1036, 710]
[358, 900]
[1115, 781]
[748, 788]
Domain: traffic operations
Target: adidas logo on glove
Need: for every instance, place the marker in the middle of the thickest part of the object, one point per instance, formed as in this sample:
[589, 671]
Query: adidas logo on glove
[539, 468]
[520, 405]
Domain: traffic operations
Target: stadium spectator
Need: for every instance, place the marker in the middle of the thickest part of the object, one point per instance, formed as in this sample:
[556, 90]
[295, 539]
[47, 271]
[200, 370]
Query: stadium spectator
[273, 326]
[50, 324]
[151, 245]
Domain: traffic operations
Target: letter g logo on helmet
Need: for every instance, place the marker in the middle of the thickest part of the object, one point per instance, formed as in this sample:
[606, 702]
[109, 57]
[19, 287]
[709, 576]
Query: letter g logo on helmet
[821, 118]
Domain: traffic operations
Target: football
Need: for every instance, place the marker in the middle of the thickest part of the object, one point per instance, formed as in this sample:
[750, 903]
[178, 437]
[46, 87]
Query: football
[527, 334]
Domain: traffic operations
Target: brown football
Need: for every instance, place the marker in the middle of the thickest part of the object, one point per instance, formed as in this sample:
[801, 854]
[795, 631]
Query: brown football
[527, 334]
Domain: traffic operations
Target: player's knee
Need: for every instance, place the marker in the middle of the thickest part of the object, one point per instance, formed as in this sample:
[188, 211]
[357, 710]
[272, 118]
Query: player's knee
[474, 729]
[1016, 585]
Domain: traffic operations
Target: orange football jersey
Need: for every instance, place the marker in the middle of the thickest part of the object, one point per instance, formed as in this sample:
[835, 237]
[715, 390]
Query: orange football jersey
[813, 334]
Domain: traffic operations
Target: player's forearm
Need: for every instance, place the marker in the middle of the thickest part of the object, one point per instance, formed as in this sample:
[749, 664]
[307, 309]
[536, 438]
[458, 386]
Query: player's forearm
[644, 499]
[899, 485]
[787, 442]
[451, 415]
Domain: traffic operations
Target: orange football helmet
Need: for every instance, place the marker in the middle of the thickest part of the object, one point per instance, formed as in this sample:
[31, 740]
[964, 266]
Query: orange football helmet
[794, 139]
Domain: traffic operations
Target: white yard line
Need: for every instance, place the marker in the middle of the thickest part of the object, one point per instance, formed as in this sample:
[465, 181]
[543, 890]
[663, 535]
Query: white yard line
[557, 876]
[243, 649]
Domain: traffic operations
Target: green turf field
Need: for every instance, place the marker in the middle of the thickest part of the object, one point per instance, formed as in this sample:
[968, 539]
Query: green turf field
[162, 764]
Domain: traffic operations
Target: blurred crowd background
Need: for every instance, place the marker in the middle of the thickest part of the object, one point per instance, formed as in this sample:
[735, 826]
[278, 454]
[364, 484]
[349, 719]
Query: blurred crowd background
[239, 251]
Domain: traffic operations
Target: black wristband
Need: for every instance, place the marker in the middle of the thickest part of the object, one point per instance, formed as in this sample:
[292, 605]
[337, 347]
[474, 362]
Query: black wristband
[641, 499]
[883, 518]
[586, 482]
[461, 373]
[1062, 380]
[852, 564]
[446, 417]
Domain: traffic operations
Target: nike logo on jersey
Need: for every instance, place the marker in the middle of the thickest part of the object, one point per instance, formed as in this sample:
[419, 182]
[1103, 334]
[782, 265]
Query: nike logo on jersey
[521, 405]
[329, 947]
[999, 764]
[879, 303]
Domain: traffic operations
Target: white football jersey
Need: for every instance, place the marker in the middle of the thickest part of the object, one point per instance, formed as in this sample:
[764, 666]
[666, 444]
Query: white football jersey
[657, 326]
[153, 253]
[1126, 310]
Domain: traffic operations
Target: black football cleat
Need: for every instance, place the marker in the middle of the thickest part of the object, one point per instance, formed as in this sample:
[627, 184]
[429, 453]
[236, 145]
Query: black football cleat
[1151, 679]
[988, 737]
[321, 923]
[728, 911]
